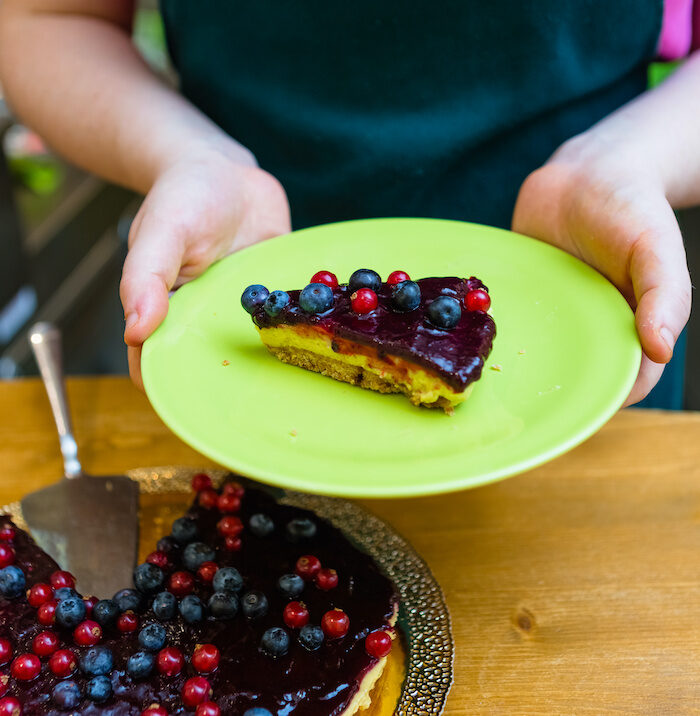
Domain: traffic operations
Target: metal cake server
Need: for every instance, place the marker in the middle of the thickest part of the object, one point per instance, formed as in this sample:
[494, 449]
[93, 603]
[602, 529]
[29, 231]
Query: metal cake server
[89, 525]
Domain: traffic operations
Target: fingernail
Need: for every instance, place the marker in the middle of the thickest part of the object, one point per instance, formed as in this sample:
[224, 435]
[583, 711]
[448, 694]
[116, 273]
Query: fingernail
[131, 319]
[667, 337]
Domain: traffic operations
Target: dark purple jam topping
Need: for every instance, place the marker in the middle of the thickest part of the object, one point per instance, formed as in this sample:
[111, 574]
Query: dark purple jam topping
[457, 354]
[301, 683]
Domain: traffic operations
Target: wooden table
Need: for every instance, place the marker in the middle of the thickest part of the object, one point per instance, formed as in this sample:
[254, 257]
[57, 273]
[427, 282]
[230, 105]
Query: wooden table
[574, 589]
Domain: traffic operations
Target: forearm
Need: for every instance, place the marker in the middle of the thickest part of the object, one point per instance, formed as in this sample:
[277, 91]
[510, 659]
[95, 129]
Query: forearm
[79, 82]
[658, 132]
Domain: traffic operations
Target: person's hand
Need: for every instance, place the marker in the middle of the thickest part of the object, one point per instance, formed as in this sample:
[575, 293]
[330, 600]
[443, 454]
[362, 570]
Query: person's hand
[606, 204]
[200, 209]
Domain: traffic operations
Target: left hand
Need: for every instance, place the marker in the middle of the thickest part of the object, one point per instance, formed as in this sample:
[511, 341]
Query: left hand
[606, 204]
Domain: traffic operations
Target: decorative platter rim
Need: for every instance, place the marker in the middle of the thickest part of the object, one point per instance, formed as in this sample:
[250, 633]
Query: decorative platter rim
[424, 615]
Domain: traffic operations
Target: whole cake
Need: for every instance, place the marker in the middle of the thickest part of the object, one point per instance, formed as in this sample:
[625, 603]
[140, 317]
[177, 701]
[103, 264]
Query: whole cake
[427, 339]
[248, 608]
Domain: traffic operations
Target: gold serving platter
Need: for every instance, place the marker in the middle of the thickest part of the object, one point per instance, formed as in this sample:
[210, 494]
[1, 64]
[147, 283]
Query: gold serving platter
[418, 674]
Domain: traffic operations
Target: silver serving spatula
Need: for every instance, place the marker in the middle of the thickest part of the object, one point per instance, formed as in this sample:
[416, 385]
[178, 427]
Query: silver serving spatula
[89, 525]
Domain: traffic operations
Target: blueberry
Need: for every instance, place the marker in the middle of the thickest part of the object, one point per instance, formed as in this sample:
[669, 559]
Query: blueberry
[261, 525]
[444, 312]
[195, 553]
[98, 689]
[152, 636]
[227, 579]
[192, 609]
[311, 637]
[64, 593]
[66, 694]
[148, 578]
[275, 642]
[301, 528]
[316, 298]
[223, 605]
[140, 664]
[291, 585]
[70, 612]
[128, 600]
[257, 711]
[165, 605]
[253, 297]
[12, 582]
[184, 530]
[167, 545]
[254, 604]
[105, 612]
[97, 660]
[405, 296]
[275, 302]
[365, 278]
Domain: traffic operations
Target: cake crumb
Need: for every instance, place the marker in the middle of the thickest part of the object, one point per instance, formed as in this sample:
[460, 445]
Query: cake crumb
[521, 352]
[293, 433]
[497, 366]
[226, 362]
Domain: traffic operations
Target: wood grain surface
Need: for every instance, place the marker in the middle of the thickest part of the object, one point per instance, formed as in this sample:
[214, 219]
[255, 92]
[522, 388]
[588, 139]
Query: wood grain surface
[573, 589]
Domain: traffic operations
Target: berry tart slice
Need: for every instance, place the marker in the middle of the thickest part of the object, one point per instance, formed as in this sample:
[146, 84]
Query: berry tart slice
[427, 339]
[248, 607]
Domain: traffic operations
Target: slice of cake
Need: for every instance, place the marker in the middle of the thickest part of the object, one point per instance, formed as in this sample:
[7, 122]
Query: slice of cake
[427, 339]
[249, 608]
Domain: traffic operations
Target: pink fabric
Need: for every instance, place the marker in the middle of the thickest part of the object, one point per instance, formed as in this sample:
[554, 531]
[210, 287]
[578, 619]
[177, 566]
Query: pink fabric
[696, 27]
[677, 33]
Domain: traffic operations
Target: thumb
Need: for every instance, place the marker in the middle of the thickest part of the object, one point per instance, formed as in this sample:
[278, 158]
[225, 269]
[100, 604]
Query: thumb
[150, 270]
[661, 282]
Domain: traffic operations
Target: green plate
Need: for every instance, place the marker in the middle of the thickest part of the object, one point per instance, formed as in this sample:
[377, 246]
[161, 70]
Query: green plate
[565, 357]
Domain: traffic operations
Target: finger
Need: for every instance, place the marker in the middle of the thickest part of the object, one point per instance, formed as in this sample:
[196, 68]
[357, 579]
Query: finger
[648, 377]
[659, 274]
[134, 354]
[150, 271]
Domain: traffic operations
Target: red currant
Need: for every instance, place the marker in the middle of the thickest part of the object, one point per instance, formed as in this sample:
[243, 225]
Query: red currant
[45, 643]
[228, 503]
[308, 566]
[206, 571]
[233, 544]
[325, 277]
[229, 526]
[46, 614]
[87, 633]
[335, 623]
[170, 661]
[5, 651]
[63, 663]
[181, 583]
[158, 559]
[364, 300]
[89, 603]
[127, 622]
[235, 489]
[208, 499]
[205, 658]
[378, 644]
[62, 579]
[4, 681]
[10, 706]
[326, 579]
[208, 708]
[477, 300]
[201, 481]
[7, 533]
[25, 667]
[397, 277]
[296, 615]
[154, 710]
[39, 594]
[7, 555]
[195, 691]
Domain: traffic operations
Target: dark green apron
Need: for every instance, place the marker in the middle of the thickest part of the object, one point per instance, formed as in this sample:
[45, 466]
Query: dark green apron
[412, 108]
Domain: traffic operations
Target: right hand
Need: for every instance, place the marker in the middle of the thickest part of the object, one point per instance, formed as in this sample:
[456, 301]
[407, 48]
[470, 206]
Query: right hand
[200, 209]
